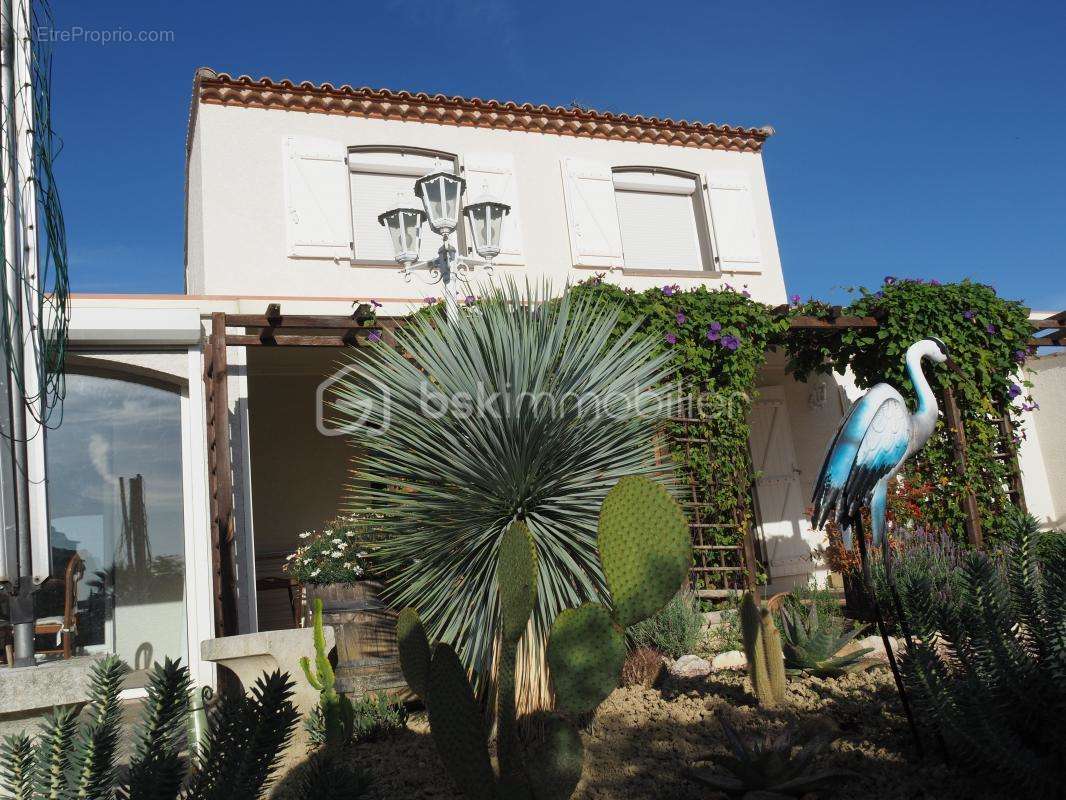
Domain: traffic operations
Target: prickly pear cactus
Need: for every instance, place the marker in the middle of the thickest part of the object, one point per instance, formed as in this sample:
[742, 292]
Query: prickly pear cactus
[414, 650]
[645, 547]
[585, 654]
[516, 573]
[559, 758]
[456, 725]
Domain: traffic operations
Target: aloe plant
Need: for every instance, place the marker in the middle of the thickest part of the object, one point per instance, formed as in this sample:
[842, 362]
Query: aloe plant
[526, 407]
[770, 767]
[644, 542]
[813, 645]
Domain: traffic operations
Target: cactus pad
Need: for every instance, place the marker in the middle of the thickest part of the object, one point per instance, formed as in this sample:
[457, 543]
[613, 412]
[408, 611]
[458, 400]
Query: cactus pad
[516, 574]
[645, 547]
[586, 650]
[456, 724]
[558, 760]
[414, 650]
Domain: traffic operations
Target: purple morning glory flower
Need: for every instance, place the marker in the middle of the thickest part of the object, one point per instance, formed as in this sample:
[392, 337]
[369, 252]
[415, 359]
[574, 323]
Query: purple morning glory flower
[795, 299]
[470, 299]
[375, 303]
[713, 336]
[879, 293]
[969, 314]
[730, 342]
[1019, 356]
[934, 282]
[715, 326]
[671, 338]
[671, 290]
[374, 336]
[680, 317]
[889, 280]
[746, 293]
[1014, 391]
[429, 300]
[990, 328]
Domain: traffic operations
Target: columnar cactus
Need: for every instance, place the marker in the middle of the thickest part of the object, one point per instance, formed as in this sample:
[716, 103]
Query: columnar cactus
[762, 646]
[337, 711]
[646, 553]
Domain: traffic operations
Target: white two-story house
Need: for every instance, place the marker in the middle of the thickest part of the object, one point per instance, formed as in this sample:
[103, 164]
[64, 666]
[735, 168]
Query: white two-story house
[284, 186]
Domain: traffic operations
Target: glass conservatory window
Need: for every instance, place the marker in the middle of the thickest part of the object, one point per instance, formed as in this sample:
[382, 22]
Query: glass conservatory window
[115, 498]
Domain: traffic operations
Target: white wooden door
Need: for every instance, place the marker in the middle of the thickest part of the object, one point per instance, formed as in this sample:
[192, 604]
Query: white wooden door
[786, 532]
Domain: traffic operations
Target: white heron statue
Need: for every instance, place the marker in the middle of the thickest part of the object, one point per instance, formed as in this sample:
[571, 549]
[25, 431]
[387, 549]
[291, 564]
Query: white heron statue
[873, 443]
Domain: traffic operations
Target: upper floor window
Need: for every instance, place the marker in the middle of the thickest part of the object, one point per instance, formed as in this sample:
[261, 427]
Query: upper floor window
[661, 219]
[379, 178]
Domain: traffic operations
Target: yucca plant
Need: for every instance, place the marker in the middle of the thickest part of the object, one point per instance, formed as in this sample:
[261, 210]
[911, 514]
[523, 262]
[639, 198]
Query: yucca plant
[78, 761]
[813, 644]
[770, 767]
[989, 665]
[525, 407]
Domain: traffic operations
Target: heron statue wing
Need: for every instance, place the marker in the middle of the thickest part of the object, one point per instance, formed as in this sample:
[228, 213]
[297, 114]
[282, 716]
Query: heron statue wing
[870, 443]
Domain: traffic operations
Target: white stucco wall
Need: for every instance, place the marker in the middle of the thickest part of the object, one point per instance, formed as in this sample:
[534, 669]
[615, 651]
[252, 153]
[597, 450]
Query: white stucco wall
[238, 219]
[1043, 456]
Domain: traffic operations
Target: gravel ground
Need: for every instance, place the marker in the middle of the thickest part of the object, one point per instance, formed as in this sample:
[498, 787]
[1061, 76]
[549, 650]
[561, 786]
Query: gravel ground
[642, 741]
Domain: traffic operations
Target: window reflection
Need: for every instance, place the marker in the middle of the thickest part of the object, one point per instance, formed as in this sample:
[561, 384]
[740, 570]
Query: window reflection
[115, 499]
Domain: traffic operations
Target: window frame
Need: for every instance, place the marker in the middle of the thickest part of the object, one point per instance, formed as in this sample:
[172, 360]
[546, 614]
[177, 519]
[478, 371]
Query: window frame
[701, 217]
[459, 237]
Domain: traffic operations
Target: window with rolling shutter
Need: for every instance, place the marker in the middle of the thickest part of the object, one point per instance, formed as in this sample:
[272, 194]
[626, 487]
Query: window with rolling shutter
[658, 214]
[379, 179]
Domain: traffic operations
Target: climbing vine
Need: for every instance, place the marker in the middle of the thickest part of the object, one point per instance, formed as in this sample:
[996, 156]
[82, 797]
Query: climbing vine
[987, 337]
[719, 339]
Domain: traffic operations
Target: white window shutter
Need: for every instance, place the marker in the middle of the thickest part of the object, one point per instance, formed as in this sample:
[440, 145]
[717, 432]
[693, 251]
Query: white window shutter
[595, 239]
[733, 220]
[317, 212]
[494, 173]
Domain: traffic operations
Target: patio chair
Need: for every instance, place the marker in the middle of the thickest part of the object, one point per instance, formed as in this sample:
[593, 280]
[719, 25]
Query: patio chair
[65, 627]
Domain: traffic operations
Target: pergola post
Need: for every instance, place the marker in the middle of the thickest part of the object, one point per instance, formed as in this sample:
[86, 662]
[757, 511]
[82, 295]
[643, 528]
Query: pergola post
[957, 432]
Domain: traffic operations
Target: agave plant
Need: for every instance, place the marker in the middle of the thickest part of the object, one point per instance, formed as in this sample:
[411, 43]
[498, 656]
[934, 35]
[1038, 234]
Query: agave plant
[526, 406]
[813, 645]
[769, 767]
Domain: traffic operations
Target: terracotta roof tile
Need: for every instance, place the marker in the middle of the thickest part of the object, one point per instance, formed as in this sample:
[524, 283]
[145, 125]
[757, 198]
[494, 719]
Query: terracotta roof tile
[224, 89]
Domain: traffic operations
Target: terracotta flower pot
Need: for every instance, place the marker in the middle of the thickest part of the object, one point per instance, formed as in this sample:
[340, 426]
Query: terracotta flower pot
[368, 661]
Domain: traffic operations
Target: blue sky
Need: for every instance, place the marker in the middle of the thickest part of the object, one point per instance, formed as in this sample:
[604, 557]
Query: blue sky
[914, 139]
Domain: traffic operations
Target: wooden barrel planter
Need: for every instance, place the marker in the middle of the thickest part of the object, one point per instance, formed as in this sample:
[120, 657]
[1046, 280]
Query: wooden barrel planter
[368, 660]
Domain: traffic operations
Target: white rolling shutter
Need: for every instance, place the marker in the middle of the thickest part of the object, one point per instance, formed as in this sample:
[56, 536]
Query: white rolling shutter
[494, 173]
[595, 239]
[378, 180]
[733, 220]
[316, 199]
[657, 216]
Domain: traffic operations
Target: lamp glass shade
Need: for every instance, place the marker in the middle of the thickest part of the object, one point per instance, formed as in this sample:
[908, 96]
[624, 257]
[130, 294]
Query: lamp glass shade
[440, 193]
[485, 217]
[404, 225]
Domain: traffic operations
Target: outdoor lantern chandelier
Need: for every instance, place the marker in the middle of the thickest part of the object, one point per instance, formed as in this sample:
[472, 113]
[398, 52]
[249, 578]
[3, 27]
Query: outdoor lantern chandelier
[441, 195]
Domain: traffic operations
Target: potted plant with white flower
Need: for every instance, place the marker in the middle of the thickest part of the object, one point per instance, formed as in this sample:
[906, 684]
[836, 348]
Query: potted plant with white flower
[334, 565]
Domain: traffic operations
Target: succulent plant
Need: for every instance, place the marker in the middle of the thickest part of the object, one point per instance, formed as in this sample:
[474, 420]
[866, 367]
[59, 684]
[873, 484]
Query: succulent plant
[769, 768]
[813, 645]
[762, 647]
[644, 545]
[337, 713]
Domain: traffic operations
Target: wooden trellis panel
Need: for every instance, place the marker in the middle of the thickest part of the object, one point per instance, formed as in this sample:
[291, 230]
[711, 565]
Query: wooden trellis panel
[729, 567]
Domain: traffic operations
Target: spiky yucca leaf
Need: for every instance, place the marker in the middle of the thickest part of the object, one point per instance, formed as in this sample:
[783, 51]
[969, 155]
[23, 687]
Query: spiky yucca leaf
[158, 767]
[93, 766]
[526, 407]
[18, 771]
[54, 748]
